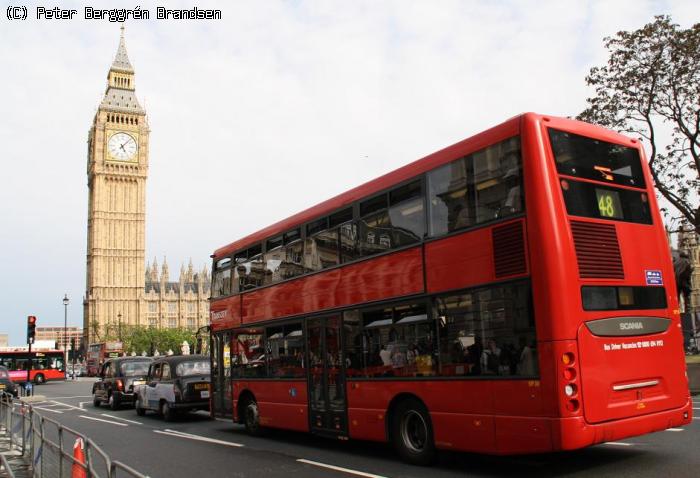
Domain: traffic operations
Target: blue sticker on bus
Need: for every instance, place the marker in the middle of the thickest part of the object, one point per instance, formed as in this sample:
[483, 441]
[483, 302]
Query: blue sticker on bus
[654, 278]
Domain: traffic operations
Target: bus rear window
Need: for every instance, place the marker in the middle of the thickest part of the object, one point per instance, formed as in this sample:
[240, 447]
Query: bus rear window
[602, 202]
[623, 298]
[594, 159]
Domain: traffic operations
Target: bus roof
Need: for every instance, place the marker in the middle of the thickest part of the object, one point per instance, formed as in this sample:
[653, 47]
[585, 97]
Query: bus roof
[473, 143]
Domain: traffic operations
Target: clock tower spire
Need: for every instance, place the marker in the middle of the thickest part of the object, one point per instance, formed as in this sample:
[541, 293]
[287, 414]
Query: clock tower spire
[117, 169]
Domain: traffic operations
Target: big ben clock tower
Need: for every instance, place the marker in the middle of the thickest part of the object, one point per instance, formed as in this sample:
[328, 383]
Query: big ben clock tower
[117, 169]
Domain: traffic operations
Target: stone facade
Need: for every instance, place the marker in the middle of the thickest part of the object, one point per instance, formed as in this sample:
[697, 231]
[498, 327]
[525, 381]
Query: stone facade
[689, 242]
[184, 303]
[120, 290]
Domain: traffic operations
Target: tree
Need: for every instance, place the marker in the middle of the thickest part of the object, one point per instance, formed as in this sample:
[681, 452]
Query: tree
[138, 339]
[652, 82]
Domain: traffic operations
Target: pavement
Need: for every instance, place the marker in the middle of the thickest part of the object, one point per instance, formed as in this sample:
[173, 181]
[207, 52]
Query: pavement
[18, 464]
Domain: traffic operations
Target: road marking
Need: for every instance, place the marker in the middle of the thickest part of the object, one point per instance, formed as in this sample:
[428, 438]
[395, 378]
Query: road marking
[618, 443]
[120, 418]
[80, 404]
[76, 396]
[338, 468]
[73, 407]
[47, 409]
[102, 420]
[189, 436]
[674, 430]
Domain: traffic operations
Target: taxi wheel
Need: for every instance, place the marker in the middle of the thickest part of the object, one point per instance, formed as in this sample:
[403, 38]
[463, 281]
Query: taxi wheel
[96, 401]
[114, 401]
[140, 411]
[167, 412]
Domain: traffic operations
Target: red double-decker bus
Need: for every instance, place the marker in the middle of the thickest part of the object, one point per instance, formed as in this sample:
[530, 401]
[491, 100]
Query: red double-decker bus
[45, 364]
[512, 293]
[98, 352]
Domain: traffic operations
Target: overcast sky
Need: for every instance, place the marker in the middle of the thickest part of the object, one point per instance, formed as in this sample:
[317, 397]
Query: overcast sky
[274, 108]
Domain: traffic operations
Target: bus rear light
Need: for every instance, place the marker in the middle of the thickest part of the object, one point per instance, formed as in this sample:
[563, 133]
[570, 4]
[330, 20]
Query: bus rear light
[572, 405]
[570, 389]
[568, 358]
[569, 373]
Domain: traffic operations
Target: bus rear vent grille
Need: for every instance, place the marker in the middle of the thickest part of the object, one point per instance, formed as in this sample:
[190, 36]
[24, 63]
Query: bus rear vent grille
[597, 251]
[509, 249]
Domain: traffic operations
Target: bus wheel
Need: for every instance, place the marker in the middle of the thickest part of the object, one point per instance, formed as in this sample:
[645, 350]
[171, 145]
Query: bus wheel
[251, 418]
[39, 378]
[412, 433]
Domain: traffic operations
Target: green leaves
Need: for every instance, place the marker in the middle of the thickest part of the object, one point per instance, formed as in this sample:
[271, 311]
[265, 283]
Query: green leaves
[650, 88]
[140, 339]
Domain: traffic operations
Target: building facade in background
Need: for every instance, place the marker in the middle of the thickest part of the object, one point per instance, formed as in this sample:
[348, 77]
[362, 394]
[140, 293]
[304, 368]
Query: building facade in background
[183, 303]
[689, 243]
[4, 340]
[59, 336]
[119, 291]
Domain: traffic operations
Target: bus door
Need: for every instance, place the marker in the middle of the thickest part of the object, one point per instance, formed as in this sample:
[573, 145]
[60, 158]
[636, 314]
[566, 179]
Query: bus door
[222, 405]
[326, 379]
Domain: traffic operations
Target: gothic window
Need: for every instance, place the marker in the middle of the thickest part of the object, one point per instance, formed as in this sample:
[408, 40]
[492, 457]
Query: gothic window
[152, 307]
[172, 323]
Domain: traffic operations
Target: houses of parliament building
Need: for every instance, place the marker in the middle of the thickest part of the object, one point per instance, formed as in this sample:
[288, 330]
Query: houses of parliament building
[121, 290]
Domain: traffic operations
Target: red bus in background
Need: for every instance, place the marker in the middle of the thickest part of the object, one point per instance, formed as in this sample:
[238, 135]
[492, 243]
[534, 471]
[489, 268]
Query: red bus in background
[46, 364]
[97, 353]
[512, 293]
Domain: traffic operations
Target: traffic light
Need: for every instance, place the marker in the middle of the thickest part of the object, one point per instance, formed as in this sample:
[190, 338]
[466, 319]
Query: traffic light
[31, 329]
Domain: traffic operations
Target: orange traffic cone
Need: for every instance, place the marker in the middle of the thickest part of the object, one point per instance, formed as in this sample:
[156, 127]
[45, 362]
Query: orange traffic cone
[78, 470]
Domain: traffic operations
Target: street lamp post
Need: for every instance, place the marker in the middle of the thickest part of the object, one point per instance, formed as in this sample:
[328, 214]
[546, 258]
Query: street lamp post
[119, 323]
[65, 331]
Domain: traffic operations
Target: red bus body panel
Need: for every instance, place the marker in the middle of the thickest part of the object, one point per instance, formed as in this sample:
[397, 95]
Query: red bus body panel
[501, 416]
[281, 404]
[394, 275]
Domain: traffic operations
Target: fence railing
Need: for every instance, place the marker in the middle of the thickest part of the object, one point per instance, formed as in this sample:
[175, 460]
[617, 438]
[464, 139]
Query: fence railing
[47, 446]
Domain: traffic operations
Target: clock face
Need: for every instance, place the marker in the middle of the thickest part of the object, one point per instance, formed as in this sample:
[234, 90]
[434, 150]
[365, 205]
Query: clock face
[122, 147]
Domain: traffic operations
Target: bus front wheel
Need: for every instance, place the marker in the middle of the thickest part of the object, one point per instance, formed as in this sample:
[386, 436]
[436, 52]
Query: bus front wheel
[251, 418]
[412, 433]
[39, 378]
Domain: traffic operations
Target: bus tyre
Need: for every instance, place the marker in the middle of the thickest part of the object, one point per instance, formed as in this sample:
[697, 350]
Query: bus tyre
[412, 433]
[140, 411]
[114, 401]
[251, 418]
[39, 378]
[167, 412]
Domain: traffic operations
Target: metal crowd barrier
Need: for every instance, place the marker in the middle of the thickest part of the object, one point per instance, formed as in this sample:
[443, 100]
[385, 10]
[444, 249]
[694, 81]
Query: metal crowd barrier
[47, 446]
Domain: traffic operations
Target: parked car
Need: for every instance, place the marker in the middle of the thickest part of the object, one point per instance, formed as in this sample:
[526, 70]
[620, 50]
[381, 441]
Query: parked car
[7, 386]
[117, 379]
[175, 384]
